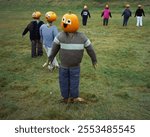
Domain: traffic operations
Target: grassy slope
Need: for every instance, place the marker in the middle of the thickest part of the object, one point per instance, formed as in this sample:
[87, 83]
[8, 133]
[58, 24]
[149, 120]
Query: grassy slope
[118, 89]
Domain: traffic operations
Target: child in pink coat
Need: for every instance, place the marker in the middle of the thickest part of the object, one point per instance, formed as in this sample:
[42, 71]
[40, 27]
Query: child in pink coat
[106, 14]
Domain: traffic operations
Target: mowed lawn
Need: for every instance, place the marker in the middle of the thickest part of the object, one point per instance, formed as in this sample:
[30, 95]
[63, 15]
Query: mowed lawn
[118, 89]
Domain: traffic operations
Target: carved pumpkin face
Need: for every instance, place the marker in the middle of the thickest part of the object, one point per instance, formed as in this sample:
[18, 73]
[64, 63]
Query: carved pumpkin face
[36, 15]
[50, 16]
[70, 23]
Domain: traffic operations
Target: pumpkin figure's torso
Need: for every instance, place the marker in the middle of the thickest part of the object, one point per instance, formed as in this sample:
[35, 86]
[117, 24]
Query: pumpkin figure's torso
[71, 48]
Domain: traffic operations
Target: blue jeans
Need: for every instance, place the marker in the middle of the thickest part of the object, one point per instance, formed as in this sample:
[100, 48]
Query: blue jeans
[69, 82]
[125, 21]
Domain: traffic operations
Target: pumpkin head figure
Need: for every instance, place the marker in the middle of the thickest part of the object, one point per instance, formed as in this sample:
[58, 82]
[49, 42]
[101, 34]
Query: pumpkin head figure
[107, 6]
[50, 16]
[70, 23]
[127, 6]
[85, 7]
[36, 15]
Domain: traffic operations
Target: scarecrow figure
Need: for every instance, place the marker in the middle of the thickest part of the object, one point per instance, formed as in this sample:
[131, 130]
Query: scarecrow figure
[126, 14]
[33, 28]
[70, 45]
[138, 14]
[106, 14]
[48, 32]
[85, 14]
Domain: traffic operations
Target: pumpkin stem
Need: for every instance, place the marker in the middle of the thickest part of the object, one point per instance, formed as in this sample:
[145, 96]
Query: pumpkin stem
[69, 11]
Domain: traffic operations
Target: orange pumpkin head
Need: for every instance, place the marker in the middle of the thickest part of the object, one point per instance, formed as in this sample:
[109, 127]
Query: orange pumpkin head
[50, 16]
[36, 15]
[70, 23]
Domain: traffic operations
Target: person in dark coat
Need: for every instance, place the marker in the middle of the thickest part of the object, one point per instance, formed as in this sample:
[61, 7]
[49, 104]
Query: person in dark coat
[33, 28]
[126, 15]
[138, 14]
[85, 14]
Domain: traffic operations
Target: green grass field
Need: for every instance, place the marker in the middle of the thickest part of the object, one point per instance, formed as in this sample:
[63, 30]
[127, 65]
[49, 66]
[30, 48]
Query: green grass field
[118, 89]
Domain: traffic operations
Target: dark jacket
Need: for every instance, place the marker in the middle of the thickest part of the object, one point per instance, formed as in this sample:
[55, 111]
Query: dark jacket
[126, 13]
[139, 12]
[85, 13]
[33, 28]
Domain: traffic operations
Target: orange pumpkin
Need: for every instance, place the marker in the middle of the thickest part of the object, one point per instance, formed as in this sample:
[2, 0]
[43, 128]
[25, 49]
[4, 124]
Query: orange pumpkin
[50, 16]
[36, 15]
[70, 23]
